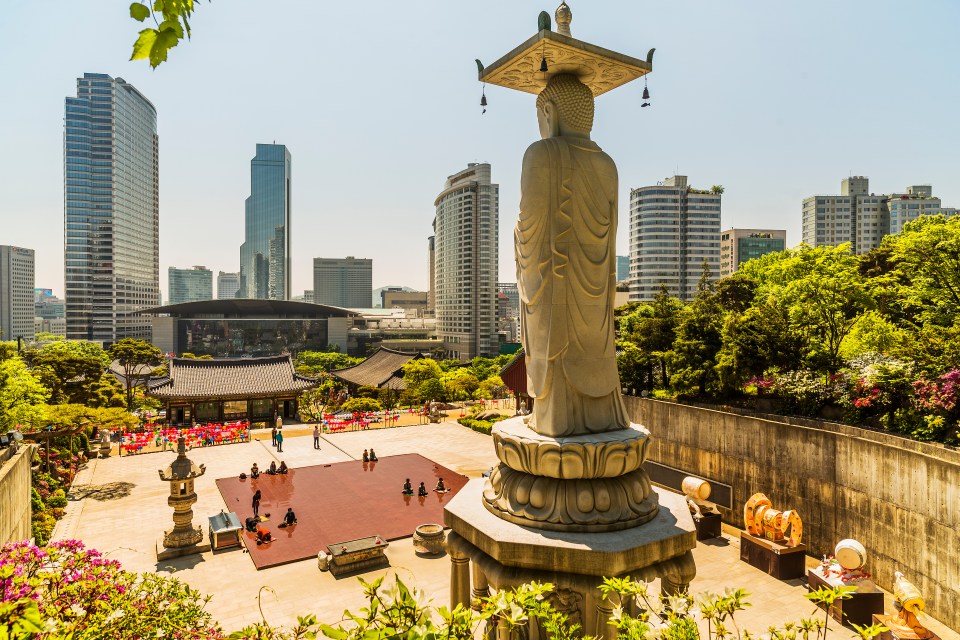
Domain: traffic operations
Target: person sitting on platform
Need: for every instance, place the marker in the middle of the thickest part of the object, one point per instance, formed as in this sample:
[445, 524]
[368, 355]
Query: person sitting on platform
[373, 455]
[440, 486]
[283, 467]
[254, 471]
[289, 518]
[250, 524]
[273, 468]
[366, 456]
[263, 535]
[407, 488]
[422, 491]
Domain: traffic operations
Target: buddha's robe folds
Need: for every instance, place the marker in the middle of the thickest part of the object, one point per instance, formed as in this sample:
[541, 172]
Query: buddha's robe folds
[565, 244]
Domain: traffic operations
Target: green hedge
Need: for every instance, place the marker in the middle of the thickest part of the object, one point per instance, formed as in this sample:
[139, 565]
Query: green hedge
[481, 426]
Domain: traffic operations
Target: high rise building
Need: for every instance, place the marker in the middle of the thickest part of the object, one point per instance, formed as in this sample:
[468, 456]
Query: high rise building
[861, 218]
[49, 313]
[739, 245]
[265, 252]
[623, 268]
[16, 293]
[189, 285]
[111, 210]
[508, 311]
[465, 263]
[228, 285]
[343, 282]
[674, 230]
[432, 277]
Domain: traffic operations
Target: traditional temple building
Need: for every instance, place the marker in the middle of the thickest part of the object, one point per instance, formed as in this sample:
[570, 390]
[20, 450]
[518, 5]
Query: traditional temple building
[254, 389]
[514, 376]
[383, 370]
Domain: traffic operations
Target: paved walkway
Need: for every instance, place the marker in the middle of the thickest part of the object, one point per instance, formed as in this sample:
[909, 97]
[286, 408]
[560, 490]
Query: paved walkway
[119, 506]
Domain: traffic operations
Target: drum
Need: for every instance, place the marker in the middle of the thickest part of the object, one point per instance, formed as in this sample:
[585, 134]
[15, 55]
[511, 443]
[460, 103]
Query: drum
[850, 554]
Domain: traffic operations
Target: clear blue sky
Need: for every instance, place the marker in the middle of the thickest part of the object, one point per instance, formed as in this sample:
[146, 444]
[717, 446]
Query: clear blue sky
[378, 103]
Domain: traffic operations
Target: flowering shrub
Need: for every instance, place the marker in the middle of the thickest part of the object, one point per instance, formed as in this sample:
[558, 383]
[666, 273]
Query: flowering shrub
[941, 396]
[67, 591]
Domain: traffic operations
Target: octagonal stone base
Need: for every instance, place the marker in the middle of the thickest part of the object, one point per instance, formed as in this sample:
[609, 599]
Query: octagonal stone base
[501, 554]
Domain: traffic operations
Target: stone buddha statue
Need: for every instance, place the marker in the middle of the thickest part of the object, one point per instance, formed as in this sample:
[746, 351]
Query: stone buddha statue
[565, 244]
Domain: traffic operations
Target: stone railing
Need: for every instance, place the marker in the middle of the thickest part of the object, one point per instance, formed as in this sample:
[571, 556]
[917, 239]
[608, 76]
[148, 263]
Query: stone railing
[899, 497]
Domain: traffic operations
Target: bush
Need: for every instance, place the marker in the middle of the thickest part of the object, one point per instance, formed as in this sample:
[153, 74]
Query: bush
[57, 499]
[481, 426]
[73, 592]
[364, 405]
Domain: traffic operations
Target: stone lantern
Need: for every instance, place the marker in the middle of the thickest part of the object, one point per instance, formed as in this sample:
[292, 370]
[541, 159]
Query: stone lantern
[184, 538]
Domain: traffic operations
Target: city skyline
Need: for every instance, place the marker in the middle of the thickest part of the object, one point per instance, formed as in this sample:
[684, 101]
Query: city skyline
[772, 115]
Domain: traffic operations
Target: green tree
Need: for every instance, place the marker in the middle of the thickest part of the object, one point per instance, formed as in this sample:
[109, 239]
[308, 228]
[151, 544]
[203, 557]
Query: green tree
[490, 388]
[417, 372]
[22, 396]
[460, 383]
[137, 358]
[70, 362]
[652, 327]
[822, 291]
[432, 389]
[314, 363]
[698, 341]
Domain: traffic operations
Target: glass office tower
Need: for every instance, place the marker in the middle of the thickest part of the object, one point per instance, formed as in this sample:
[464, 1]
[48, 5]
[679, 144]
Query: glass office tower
[265, 252]
[111, 210]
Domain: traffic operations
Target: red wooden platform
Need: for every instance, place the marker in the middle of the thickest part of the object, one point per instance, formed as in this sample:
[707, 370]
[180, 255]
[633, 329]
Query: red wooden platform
[339, 502]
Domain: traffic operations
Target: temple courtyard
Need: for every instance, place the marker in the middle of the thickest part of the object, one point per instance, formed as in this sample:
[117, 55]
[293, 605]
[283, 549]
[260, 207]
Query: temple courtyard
[119, 506]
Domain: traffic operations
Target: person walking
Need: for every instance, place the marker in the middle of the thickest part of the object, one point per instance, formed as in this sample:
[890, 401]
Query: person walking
[316, 436]
[279, 441]
[256, 503]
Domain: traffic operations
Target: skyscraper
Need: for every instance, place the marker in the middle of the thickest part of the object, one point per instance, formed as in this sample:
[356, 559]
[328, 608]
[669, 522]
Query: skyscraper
[16, 293]
[343, 282]
[228, 285]
[674, 229]
[265, 252]
[739, 245]
[465, 263]
[111, 210]
[189, 285]
[432, 277]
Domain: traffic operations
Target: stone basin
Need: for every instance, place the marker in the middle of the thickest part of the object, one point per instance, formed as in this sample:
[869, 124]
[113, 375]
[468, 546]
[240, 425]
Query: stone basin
[428, 539]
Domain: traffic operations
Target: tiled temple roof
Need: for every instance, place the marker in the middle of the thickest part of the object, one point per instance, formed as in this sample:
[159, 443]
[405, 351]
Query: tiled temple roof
[230, 378]
[383, 370]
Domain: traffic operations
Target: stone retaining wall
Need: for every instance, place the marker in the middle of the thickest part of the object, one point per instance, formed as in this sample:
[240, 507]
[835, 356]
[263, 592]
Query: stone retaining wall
[899, 497]
[15, 494]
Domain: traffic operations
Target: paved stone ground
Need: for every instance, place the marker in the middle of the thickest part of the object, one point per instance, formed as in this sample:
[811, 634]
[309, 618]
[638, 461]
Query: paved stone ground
[119, 506]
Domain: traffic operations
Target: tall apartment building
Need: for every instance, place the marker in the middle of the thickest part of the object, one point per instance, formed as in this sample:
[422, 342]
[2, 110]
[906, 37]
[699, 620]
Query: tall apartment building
[343, 282]
[16, 293]
[674, 229]
[265, 253]
[740, 245]
[111, 191]
[465, 263]
[862, 218]
[228, 285]
[189, 285]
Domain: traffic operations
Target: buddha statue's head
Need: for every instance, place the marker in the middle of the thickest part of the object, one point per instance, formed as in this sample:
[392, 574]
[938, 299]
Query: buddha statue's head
[565, 107]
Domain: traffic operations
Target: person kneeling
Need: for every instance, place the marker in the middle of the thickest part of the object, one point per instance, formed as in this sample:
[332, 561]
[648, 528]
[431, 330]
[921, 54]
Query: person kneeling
[289, 519]
[422, 491]
[273, 468]
[263, 535]
[373, 455]
[440, 486]
[407, 488]
[283, 467]
[254, 471]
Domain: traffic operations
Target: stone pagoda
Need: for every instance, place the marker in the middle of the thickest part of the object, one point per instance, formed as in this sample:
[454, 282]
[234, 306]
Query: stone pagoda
[570, 502]
[184, 539]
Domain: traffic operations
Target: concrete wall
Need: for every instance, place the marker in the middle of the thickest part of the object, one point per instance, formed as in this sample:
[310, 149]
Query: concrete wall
[900, 498]
[15, 494]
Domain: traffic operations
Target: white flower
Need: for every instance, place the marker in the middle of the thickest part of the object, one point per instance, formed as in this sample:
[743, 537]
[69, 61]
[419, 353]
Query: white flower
[77, 610]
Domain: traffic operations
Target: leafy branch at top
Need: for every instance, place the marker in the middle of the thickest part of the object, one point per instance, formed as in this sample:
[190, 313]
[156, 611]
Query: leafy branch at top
[172, 23]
